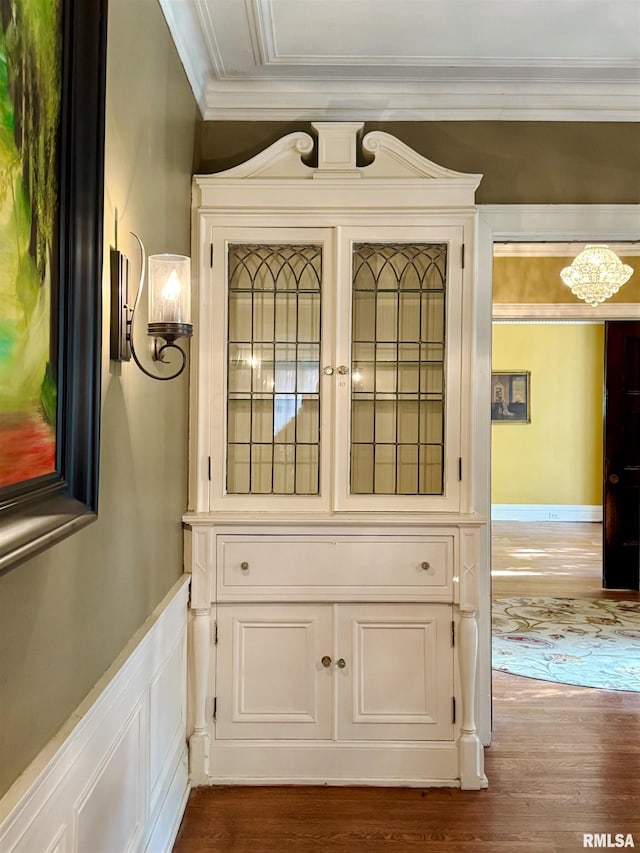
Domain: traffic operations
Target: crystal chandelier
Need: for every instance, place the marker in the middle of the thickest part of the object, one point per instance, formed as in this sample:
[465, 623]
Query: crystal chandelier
[596, 274]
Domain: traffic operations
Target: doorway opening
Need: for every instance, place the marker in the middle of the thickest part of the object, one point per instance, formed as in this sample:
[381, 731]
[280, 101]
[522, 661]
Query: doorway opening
[547, 468]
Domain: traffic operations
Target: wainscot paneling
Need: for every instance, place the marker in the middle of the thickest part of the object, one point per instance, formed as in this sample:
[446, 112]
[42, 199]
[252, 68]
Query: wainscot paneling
[115, 777]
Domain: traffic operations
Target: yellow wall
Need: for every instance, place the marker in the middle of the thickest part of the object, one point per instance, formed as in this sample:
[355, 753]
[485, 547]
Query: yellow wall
[557, 458]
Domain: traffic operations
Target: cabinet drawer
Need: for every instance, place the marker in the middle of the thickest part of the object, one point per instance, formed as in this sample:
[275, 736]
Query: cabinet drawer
[324, 567]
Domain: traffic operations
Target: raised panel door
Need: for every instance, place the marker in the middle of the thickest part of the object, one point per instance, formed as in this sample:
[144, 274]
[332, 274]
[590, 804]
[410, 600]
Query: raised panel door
[397, 678]
[270, 680]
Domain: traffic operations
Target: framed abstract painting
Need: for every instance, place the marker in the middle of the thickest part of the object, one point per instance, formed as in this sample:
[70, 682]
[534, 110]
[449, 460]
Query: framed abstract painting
[52, 85]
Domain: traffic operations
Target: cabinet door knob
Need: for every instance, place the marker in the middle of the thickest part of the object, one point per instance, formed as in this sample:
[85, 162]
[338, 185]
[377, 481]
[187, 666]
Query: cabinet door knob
[326, 661]
[341, 663]
[424, 565]
[244, 566]
[328, 371]
[343, 370]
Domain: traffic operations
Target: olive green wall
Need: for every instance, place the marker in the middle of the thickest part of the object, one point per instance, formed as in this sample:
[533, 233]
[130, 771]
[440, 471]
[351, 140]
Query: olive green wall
[557, 458]
[522, 162]
[66, 615]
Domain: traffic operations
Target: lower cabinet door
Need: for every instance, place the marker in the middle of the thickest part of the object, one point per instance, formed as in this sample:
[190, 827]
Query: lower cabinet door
[270, 678]
[394, 665]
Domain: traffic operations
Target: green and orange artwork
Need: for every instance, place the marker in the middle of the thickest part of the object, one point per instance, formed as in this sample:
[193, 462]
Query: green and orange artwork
[30, 85]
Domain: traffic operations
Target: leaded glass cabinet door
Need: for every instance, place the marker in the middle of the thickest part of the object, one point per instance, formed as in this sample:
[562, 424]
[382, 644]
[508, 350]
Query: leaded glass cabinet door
[273, 431]
[398, 393]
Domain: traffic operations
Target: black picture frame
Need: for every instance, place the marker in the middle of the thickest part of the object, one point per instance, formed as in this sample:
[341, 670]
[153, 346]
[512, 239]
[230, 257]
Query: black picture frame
[51, 508]
[510, 397]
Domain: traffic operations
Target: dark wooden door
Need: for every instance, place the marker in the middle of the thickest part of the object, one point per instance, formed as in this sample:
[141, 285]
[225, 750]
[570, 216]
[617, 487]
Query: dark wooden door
[622, 456]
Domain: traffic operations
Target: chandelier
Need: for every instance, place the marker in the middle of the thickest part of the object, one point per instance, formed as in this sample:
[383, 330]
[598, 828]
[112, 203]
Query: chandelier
[596, 274]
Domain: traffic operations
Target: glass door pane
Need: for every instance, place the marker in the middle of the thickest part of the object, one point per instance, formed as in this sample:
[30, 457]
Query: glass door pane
[273, 369]
[397, 368]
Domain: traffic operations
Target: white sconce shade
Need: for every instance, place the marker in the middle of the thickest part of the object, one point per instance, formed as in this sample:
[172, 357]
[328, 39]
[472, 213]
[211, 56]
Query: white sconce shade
[169, 317]
[169, 295]
[596, 274]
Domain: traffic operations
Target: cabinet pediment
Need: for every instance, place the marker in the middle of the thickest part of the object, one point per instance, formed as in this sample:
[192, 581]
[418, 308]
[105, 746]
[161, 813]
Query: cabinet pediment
[282, 160]
[336, 150]
[393, 159]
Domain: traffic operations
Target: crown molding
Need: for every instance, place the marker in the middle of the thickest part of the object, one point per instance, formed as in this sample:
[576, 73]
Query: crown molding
[559, 250]
[547, 312]
[411, 100]
[238, 70]
[185, 25]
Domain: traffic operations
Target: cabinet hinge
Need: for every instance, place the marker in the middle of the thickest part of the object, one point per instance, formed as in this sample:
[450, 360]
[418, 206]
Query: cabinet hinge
[215, 706]
[459, 468]
[453, 710]
[463, 256]
[209, 468]
[211, 256]
[453, 633]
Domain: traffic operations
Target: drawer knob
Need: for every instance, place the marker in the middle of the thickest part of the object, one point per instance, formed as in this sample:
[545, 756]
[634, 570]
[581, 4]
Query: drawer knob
[326, 661]
[328, 371]
[244, 566]
[424, 565]
[341, 663]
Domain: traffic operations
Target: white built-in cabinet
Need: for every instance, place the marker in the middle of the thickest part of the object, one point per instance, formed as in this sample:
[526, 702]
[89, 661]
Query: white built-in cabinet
[332, 538]
[283, 678]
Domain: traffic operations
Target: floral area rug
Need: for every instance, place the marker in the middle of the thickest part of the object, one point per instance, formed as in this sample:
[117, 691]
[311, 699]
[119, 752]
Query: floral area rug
[587, 642]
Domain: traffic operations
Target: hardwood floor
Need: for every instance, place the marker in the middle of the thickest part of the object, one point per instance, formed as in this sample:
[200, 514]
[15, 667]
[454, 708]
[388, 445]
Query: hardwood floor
[549, 558]
[546, 558]
[564, 760]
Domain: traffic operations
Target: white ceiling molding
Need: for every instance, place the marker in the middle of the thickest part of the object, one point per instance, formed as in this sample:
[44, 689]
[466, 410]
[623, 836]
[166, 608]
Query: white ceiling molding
[521, 312]
[410, 59]
[305, 99]
[559, 250]
[187, 33]
[414, 33]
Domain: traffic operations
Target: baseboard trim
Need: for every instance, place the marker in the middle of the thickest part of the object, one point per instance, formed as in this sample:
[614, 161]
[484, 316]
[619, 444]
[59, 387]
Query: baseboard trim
[545, 512]
[116, 772]
[435, 764]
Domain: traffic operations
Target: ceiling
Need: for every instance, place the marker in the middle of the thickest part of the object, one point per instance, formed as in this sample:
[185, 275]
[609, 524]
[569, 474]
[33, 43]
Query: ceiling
[411, 59]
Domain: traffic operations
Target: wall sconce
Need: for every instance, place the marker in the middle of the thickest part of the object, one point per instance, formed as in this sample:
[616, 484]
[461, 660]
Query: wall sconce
[169, 315]
[595, 274]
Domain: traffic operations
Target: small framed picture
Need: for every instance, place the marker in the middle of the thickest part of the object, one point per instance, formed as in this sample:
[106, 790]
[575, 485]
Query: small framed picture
[510, 392]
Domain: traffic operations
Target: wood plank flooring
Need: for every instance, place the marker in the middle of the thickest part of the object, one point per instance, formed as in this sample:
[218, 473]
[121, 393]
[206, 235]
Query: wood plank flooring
[564, 760]
[546, 558]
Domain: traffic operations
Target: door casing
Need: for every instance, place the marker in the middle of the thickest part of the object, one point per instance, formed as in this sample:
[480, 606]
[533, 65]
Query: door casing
[522, 224]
